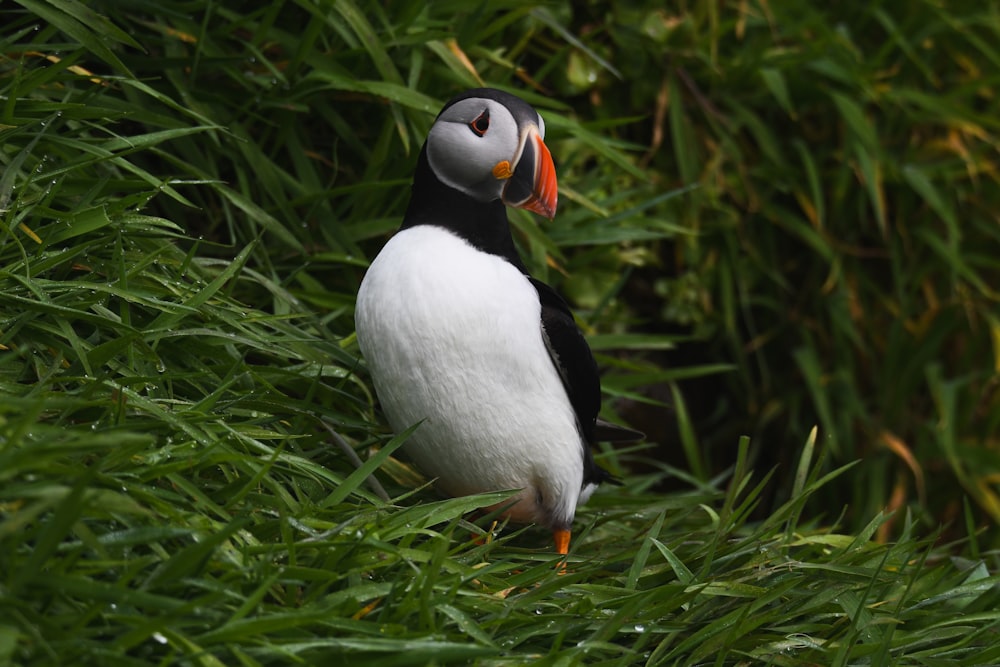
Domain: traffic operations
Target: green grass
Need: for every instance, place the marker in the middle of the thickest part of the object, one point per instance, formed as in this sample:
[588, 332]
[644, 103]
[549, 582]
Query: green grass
[839, 252]
[189, 195]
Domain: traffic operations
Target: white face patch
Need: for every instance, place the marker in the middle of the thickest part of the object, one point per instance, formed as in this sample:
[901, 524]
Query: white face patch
[463, 156]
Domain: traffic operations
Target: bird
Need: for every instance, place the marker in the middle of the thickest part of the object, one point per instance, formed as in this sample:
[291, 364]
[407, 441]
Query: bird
[460, 338]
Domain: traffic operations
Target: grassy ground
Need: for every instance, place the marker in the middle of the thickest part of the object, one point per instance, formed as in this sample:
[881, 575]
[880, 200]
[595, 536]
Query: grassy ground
[188, 198]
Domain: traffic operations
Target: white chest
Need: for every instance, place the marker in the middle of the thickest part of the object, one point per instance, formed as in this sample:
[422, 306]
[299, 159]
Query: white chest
[453, 337]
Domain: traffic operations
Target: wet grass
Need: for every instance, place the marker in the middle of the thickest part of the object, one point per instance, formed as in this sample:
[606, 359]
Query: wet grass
[188, 197]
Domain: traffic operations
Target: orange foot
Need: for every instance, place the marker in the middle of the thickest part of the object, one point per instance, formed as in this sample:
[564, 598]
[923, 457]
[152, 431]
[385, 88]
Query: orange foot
[562, 541]
[561, 538]
[480, 540]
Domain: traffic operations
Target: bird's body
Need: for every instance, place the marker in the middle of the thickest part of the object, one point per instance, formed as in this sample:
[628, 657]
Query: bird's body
[459, 337]
[467, 325]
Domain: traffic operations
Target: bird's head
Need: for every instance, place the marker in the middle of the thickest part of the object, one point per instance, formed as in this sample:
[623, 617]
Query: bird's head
[489, 145]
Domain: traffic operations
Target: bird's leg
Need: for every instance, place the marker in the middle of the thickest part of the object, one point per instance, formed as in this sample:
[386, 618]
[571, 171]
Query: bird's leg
[561, 537]
[487, 538]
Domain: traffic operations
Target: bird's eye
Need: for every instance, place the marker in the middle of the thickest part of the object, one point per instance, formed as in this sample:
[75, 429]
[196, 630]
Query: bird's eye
[481, 123]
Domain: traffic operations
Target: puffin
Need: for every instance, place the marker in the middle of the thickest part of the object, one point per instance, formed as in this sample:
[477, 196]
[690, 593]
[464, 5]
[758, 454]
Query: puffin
[460, 338]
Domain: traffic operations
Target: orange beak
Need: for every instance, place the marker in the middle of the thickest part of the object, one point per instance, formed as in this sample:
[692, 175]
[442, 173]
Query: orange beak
[532, 185]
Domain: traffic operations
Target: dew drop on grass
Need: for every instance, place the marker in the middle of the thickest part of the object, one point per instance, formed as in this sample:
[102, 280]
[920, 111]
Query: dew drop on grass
[639, 627]
[159, 637]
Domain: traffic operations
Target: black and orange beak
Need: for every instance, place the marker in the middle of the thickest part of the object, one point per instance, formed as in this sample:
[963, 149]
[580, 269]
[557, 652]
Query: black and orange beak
[532, 185]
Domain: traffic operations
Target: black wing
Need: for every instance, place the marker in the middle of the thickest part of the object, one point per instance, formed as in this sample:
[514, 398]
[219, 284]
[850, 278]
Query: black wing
[576, 365]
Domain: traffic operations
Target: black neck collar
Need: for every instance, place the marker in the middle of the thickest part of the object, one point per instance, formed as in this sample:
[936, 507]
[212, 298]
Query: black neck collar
[483, 224]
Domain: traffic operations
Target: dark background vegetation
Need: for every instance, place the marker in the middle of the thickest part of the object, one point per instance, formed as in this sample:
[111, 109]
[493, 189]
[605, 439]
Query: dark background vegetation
[773, 216]
[839, 252]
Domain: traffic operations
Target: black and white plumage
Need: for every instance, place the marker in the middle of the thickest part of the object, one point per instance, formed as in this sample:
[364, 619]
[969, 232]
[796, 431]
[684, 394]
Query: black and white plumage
[459, 336]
